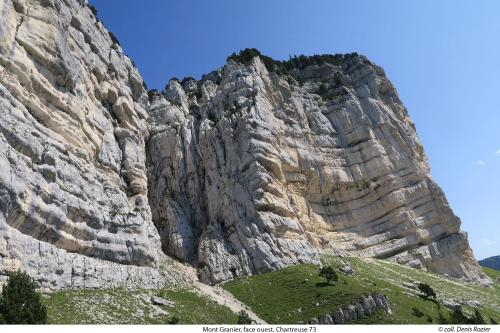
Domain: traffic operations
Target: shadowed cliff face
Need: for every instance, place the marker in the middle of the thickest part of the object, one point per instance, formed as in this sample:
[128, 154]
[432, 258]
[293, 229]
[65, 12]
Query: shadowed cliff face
[247, 171]
[250, 171]
[73, 181]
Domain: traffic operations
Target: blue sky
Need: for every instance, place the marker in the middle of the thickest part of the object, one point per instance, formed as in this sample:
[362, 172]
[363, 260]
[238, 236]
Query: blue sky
[442, 56]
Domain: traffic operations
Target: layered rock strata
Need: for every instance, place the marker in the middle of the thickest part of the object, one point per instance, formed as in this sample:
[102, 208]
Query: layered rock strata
[346, 314]
[252, 169]
[73, 186]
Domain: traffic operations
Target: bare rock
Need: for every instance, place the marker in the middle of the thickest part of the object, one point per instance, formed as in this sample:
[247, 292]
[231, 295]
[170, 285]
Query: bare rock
[452, 305]
[74, 211]
[245, 171]
[346, 269]
[409, 285]
[326, 320]
[338, 317]
[161, 301]
[474, 303]
[254, 172]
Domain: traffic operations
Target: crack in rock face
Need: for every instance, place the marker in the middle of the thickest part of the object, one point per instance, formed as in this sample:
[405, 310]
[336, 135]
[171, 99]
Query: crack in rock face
[251, 170]
[73, 186]
[246, 171]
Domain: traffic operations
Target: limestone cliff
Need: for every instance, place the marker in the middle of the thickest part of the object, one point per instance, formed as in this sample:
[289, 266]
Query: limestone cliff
[263, 164]
[257, 166]
[73, 185]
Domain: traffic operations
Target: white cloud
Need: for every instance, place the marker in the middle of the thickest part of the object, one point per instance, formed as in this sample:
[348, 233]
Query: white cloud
[497, 153]
[487, 242]
[479, 163]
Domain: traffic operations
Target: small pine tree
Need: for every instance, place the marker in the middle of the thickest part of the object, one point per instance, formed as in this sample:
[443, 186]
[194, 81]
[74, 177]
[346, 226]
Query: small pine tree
[19, 303]
[427, 290]
[244, 318]
[329, 274]
[458, 317]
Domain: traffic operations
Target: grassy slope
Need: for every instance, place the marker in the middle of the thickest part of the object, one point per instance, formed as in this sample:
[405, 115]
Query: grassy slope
[121, 306]
[296, 294]
[288, 296]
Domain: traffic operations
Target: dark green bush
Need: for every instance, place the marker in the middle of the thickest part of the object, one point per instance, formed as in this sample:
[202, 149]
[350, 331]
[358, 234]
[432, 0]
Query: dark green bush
[244, 318]
[458, 317]
[427, 290]
[296, 62]
[187, 78]
[20, 303]
[328, 273]
[152, 93]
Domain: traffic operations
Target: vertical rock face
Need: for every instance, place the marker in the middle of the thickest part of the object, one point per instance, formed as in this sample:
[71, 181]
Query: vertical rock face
[73, 185]
[252, 169]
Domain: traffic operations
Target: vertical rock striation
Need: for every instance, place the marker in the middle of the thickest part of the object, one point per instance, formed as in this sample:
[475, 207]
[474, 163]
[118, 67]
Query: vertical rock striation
[257, 166]
[263, 164]
[73, 186]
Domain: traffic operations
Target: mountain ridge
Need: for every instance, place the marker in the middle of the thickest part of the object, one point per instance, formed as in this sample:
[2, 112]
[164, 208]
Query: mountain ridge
[234, 98]
[491, 262]
[249, 170]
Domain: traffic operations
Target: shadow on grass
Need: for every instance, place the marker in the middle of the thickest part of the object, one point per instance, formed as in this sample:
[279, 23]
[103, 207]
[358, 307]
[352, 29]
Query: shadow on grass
[323, 284]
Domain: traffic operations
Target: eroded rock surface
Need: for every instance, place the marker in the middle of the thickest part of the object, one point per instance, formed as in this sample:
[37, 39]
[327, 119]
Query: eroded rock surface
[248, 170]
[73, 186]
[251, 170]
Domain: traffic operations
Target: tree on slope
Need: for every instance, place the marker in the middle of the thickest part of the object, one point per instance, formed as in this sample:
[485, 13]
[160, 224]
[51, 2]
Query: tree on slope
[20, 303]
[427, 290]
[328, 273]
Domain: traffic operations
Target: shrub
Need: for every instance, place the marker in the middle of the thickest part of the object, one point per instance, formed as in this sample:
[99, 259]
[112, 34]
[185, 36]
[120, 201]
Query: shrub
[19, 303]
[458, 317]
[296, 62]
[244, 318]
[174, 320]
[328, 273]
[493, 321]
[187, 78]
[427, 290]
[429, 318]
[152, 93]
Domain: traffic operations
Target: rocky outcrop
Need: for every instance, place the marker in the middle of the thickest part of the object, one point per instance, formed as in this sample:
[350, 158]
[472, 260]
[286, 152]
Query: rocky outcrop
[263, 164]
[73, 186]
[257, 166]
[365, 307]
